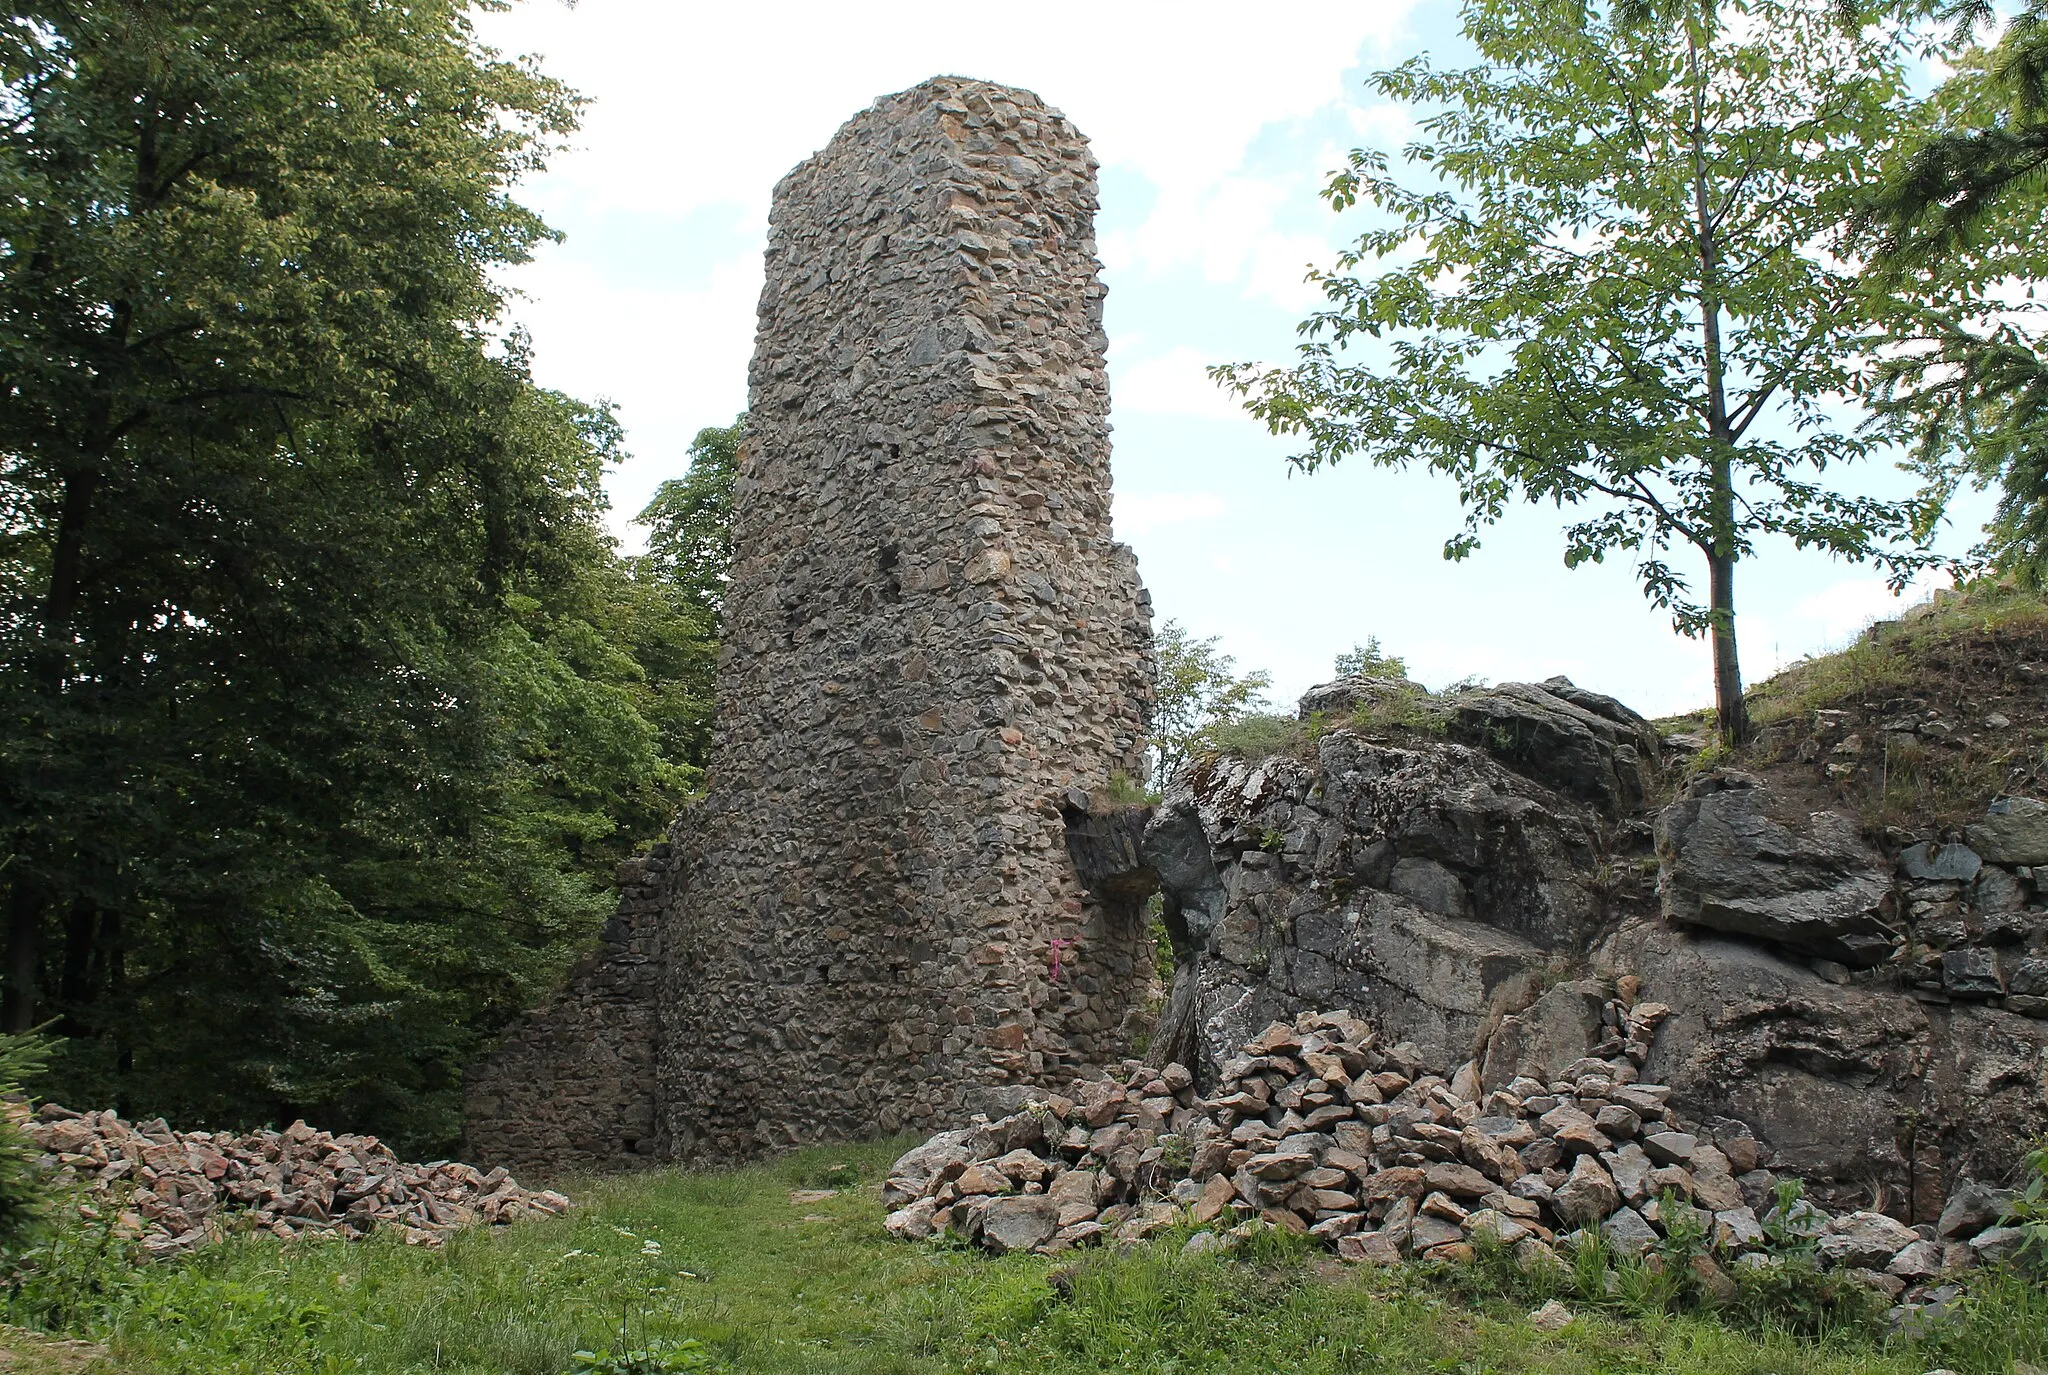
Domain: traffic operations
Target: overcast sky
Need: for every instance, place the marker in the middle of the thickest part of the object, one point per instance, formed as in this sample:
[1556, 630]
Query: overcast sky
[1215, 126]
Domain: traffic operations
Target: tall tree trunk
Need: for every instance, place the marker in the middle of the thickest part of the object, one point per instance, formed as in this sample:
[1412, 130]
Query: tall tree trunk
[24, 954]
[1733, 718]
[81, 949]
[1728, 704]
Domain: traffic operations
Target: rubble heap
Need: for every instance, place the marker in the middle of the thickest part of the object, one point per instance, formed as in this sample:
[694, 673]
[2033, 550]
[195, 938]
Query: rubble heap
[1319, 1127]
[176, 1190]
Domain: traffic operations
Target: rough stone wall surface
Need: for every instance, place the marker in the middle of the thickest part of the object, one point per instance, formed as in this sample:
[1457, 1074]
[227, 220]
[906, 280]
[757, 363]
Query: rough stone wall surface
[933, 651]
[573, 1087]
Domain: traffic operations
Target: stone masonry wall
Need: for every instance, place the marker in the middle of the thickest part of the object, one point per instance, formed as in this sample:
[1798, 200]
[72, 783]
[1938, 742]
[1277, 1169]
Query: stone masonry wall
[932, 647]
[573, 1087]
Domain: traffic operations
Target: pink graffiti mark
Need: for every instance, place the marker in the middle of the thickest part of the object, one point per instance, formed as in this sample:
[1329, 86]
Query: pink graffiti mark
[1057, 946]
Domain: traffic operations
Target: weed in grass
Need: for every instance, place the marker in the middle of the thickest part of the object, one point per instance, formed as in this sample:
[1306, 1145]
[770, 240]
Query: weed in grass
[2028, 1211]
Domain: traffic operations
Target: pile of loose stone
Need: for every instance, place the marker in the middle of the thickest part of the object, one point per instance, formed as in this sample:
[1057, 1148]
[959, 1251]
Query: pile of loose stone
[176, 1190]
[1318, 1127]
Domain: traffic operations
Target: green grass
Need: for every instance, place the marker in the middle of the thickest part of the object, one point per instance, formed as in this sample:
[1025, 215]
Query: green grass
[1957, 655]
[770, 1285]
[1255, 737]
[1890, 657]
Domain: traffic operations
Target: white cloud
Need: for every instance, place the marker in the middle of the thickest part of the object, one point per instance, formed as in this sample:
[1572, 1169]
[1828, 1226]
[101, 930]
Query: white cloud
[1173, 383]
[673, 360]
[1228, 231]
[1140, 513]
[699, 105]
[1824, 620]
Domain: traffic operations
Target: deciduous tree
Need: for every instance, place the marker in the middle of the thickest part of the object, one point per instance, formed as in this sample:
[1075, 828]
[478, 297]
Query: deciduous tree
[321, 717]
[1616, 290]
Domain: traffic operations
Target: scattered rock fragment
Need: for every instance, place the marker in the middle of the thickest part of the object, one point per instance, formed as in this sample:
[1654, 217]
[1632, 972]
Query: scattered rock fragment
[1428, 1164]
[174, 1191]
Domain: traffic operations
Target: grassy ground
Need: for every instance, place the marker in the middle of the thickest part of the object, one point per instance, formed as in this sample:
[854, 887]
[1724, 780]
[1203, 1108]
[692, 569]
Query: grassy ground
[767, 1283]
[1970, 659]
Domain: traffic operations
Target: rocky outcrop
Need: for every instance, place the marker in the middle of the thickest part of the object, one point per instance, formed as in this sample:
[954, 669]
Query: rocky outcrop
[1585, 745]
[1419, 882]
[1737, 858]
[1873, 1017]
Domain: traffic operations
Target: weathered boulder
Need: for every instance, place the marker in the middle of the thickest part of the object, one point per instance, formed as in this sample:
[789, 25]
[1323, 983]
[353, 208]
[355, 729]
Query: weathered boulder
[1738, 858]
[1589, 1194]
[1106, 844]
[1629, 1232]
[1971, 1209]
[914, 1170]
[1020, 1222]
[1864, 1239]
[1587, 746]
[1342, 697]
[1541, 1039]
[1941, 863]
[1845, 1085]
[2013, 831]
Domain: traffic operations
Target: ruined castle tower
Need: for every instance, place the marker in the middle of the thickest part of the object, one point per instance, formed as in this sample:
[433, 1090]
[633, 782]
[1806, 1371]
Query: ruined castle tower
[934, 652]
[930, 639]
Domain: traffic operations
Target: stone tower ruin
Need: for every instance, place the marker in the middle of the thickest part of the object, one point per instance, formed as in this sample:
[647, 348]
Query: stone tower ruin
[934, 656]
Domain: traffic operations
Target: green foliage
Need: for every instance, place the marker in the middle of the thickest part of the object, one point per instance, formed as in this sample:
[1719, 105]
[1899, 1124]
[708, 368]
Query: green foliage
[1795, 1295]
[1791, 1225]
[1124, 791]
[1403, 707]
[1252, 737]
[77, 1277]
[1164, 962]
[326, 705]
[681, 579]
[1791, 1295]
[1368, 661]
[1617, 294]
[1958, 226]
[2028, 1211]
[689, 519]
[1199, 692]
[24, 1190]
[1686, 1231]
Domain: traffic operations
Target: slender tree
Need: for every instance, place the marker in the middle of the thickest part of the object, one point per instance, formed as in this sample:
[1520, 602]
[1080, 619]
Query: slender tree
[1199, 687]
[1619, 294]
